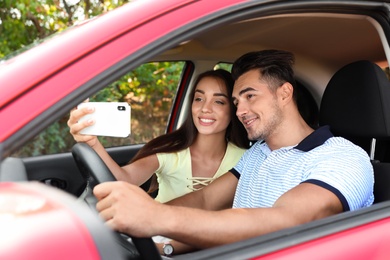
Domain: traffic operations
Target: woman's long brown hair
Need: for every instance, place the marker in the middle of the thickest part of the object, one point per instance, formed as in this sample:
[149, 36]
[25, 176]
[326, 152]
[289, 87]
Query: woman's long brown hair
[185, 135]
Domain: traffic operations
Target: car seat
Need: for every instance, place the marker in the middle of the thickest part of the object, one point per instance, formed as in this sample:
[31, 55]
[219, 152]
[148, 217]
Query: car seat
[307, 105]
[356, 105]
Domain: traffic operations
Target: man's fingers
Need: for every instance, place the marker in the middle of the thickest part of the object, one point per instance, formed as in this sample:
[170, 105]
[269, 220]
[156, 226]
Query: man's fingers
[103, 190]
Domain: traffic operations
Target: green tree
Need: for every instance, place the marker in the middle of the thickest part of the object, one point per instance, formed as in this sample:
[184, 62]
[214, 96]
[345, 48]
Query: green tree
[150, 88]
[24, 22]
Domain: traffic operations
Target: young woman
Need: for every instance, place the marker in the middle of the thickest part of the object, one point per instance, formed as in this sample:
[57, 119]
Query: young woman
[208, 144]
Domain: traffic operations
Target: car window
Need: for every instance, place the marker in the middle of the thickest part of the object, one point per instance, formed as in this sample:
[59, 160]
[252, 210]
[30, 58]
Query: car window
[224, 65]
[149, 89]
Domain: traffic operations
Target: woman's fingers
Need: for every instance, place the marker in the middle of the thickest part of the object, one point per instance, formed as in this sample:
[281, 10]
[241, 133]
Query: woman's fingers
[75, 125]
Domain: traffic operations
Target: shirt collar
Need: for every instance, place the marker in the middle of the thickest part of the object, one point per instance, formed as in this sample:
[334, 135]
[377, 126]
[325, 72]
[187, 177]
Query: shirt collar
[315, 139]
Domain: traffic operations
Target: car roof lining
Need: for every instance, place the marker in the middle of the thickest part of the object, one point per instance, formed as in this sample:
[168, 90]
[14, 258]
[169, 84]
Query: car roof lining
[351, 36]
[356, 33]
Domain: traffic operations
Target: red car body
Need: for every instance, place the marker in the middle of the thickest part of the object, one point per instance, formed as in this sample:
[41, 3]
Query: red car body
[71, 232]
[134, 26]
[40, 84]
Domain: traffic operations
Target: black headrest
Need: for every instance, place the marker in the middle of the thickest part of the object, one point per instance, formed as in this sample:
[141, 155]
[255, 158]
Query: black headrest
[356, 101]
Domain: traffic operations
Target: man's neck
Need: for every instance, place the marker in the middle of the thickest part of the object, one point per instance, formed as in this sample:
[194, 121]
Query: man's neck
[288, 135]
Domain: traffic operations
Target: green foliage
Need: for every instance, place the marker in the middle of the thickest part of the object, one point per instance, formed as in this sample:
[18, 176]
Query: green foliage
[149, 89]
[23, 22]
[225, 66]
[54, 139]
[150, 82]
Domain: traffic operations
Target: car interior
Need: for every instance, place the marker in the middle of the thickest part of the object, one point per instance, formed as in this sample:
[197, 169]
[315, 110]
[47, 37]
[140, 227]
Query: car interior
[355, 105]
[324, 44]
[341, 62]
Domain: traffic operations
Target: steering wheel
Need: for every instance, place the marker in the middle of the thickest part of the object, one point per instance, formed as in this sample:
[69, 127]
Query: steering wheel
[90, 164]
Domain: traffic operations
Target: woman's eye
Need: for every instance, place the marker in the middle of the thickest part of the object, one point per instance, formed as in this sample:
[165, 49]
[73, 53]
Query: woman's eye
[220, 102]
[197, 99]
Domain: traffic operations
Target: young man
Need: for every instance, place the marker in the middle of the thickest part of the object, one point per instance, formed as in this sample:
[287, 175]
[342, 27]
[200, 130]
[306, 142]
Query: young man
[290, 176]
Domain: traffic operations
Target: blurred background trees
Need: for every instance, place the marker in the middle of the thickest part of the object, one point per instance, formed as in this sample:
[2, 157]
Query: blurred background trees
[23, 22]
[149, 89]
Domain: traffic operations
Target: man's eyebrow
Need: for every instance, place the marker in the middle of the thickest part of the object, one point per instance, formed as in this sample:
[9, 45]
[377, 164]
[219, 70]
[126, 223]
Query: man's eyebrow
[243, 91]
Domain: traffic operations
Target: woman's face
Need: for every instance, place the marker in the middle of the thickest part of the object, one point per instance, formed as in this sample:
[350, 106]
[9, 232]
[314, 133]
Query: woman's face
[211, 106]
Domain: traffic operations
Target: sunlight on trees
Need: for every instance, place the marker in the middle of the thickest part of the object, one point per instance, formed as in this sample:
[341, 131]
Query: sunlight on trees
[149, 89]
[23, 22]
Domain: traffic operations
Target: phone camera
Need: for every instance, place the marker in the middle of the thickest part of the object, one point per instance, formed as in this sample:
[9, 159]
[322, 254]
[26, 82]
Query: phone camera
[121, 108]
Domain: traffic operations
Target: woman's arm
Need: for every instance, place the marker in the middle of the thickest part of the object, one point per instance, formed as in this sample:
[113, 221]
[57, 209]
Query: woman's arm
[136, 173]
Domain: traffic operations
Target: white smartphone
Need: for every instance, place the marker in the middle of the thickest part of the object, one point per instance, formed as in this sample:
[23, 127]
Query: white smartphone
[111, 119]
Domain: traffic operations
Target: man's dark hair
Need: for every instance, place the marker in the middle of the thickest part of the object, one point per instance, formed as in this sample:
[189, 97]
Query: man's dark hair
[275, 67]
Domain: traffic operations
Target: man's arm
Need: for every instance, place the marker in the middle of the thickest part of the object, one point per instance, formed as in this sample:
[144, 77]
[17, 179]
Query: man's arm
[306, 202]
[128, 209]
[216, 196]
[219, 196]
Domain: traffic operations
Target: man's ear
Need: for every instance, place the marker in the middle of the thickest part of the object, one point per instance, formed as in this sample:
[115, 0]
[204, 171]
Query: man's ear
[286, 92]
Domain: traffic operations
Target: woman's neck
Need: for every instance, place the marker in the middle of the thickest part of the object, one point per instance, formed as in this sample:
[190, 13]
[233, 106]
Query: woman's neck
[211, 146]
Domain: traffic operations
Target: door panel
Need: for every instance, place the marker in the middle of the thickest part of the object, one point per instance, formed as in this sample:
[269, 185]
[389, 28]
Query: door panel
[60, 170]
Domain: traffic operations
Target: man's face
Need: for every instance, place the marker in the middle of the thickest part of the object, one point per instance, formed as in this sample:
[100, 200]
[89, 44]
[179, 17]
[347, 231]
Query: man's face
[257, 106]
